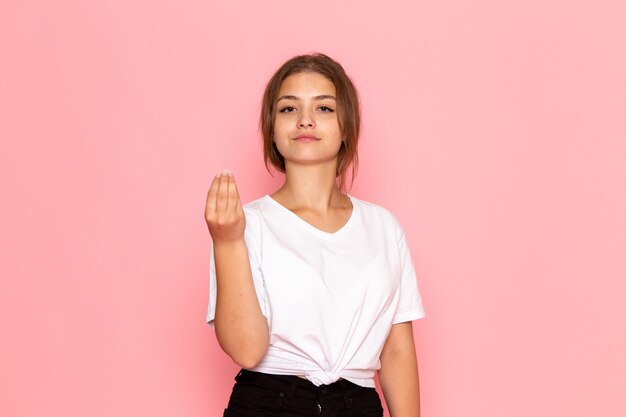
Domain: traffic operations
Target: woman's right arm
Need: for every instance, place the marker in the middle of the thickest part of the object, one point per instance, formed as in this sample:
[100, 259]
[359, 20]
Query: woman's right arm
[240, 327]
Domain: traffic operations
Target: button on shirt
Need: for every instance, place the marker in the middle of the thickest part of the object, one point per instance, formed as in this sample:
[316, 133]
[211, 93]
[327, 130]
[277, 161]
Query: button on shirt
[330, 298]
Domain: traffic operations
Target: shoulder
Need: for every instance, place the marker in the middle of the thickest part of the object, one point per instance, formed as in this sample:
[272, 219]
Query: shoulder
[254, 205]
[376, 213]
[253, 210]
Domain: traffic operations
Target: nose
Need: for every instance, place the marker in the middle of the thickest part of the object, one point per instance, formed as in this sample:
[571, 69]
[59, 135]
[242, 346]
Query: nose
[306, 120]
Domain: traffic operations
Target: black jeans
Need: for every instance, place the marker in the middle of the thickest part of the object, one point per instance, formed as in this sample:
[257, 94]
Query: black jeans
[258, 394]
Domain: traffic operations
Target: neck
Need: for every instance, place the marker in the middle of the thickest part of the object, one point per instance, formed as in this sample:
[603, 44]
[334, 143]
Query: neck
[312, 186]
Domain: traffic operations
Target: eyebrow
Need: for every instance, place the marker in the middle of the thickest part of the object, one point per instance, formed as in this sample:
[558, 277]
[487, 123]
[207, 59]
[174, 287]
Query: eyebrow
[322, 97]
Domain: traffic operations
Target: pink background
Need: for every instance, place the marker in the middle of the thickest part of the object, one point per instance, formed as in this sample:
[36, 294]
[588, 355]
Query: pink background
[494, 130]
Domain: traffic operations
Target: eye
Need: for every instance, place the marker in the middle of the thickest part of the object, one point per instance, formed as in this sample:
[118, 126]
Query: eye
[326, 109]
[287, 109]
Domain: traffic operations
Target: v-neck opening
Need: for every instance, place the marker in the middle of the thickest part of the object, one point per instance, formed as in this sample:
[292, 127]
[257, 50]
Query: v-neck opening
[315, 229]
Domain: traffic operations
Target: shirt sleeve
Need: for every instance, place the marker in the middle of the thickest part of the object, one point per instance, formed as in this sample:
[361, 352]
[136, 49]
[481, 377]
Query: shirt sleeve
[410, 301]
[252, 237]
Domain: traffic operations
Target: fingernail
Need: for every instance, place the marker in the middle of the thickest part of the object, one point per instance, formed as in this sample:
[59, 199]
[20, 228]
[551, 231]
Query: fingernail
[226, 172]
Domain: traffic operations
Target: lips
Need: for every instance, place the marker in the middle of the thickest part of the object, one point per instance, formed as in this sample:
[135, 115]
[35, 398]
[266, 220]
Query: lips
[306, 138]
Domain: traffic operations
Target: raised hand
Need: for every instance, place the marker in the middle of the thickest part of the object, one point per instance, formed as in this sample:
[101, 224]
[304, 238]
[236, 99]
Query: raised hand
[224, 213]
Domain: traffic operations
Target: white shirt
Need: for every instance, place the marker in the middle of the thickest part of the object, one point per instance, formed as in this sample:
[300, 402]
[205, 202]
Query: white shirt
[330, 298]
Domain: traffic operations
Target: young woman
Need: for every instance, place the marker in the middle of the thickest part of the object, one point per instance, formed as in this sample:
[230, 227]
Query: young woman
[312, 290]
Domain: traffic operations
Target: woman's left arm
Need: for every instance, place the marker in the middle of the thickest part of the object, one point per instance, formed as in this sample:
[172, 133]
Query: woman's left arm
[398, 374]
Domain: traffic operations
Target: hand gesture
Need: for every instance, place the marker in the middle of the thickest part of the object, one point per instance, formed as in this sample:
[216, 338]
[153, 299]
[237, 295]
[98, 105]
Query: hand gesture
[223, 213]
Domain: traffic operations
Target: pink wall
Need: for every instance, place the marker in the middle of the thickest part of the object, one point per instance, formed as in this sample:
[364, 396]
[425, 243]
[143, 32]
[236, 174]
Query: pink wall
[493, 129]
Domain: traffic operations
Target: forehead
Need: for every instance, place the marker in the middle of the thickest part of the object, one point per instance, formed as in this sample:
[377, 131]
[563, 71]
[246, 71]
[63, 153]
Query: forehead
[306, 84]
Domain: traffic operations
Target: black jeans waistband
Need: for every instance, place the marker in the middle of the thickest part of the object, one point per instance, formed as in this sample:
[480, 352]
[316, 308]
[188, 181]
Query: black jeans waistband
[291, 383]
[258, 394]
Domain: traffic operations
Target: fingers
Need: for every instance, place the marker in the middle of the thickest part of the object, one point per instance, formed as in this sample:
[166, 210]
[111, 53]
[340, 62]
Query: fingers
[233, 193]
[224, 213]
[222, 192]
[223, 195]
[211, 198]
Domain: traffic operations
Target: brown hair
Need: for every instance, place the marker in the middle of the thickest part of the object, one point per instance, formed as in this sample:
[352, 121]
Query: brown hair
[348, 111]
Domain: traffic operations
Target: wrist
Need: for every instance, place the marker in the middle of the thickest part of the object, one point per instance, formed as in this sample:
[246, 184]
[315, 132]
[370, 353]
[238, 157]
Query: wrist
[226, 244]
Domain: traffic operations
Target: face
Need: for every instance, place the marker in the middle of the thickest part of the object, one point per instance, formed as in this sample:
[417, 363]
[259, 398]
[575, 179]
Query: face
[306, 127]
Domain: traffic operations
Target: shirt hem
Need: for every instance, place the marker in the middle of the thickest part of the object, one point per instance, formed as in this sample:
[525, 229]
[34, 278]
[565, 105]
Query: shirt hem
[409, 316]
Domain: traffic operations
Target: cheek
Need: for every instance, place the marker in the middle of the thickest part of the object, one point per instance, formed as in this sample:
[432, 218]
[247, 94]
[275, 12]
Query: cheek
[280, 123]
[336, 125]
